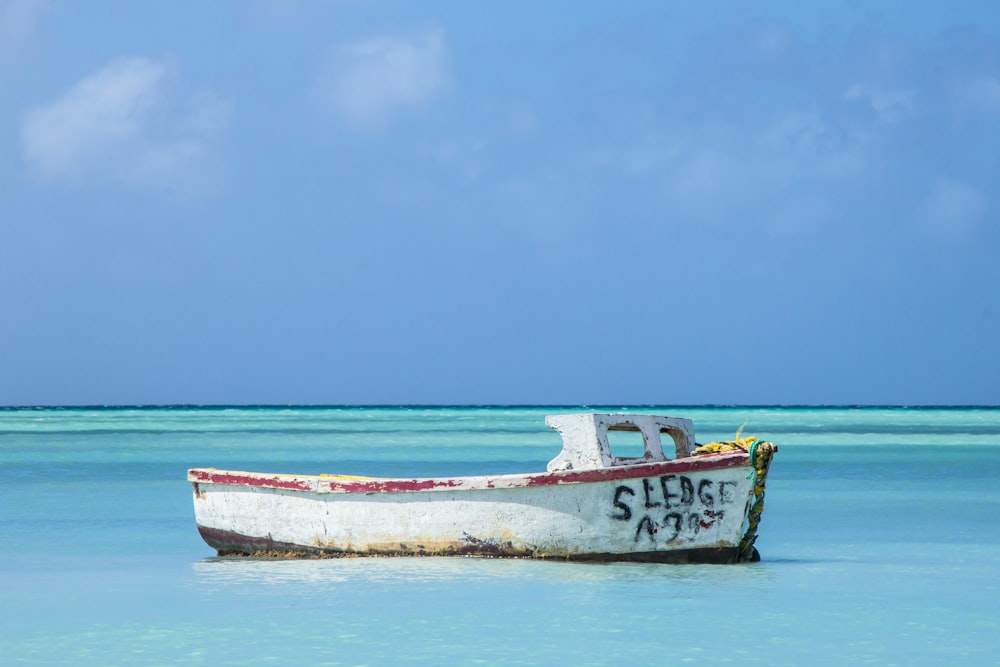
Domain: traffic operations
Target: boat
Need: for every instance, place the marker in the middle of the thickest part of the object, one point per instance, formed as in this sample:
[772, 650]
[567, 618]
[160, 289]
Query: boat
[702, 504]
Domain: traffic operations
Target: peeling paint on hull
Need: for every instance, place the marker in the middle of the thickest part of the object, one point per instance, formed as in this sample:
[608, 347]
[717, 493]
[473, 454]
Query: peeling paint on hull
[673, 511]
[587, 505]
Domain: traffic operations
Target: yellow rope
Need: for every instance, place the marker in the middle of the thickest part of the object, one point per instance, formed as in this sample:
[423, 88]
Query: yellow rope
[760, 453]
[728, 446]
[760, 457]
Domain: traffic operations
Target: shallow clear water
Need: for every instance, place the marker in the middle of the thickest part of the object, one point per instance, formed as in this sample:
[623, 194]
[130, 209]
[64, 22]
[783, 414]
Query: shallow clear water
[880, 544]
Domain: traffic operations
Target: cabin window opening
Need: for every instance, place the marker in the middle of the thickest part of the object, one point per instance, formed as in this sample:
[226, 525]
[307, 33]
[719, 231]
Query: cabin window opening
[670, 445]
[625, 442]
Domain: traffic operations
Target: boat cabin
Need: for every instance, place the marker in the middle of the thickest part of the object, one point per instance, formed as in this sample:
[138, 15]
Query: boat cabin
[585, 439]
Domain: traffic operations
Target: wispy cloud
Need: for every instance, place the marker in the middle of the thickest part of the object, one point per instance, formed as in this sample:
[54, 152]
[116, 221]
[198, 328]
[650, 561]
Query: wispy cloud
[953, 210]
[125, 123]
[368, 83]
[889, 105]
[810, 140]
[19, 22]
[982, 94]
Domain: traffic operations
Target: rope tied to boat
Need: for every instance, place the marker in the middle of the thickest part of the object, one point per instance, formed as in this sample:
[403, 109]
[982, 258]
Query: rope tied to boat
[760, 452]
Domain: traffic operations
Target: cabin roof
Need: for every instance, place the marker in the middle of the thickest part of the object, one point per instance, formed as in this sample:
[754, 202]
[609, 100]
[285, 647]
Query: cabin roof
[585, 438]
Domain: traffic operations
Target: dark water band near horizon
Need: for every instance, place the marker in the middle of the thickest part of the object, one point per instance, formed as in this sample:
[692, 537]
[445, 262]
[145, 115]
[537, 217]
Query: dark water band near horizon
[880, 544]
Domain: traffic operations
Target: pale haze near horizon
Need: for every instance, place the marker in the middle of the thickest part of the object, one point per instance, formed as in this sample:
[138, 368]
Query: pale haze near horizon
[507, 203]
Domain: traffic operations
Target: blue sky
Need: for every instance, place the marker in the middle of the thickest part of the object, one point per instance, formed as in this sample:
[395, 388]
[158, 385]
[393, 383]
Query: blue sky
[516, 202]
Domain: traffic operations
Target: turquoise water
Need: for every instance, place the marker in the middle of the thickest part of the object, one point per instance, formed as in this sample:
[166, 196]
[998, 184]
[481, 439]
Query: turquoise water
[880, 545]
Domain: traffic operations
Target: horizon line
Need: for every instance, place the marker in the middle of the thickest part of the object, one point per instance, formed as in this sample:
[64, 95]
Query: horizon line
[584, 406]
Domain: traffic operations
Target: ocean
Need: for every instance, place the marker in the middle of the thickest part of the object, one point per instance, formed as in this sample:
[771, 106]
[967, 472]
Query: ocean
[880, 544]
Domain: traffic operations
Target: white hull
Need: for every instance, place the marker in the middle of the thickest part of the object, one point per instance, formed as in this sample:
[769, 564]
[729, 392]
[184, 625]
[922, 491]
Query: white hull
[589, 504]
[687, 509]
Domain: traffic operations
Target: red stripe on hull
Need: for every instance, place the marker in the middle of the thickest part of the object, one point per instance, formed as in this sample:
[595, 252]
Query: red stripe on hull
[324, 485]
[237, 479]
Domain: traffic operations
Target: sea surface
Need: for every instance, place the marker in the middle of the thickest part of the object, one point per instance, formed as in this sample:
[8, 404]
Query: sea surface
[880, 543]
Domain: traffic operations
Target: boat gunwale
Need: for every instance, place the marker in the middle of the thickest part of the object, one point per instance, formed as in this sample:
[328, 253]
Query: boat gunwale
[335, 485]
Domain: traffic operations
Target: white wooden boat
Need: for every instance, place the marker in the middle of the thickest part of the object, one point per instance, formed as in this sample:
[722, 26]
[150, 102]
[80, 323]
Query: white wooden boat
[701, 505]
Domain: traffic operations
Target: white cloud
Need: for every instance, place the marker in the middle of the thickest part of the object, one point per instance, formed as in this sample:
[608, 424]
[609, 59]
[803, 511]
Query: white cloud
[781, 170]
[369, 82]
[125, 124]
[953, 210]
[19, 21]
[889, 105]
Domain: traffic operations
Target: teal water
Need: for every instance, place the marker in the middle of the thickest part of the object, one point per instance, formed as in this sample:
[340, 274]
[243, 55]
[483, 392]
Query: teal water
[880, 544]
